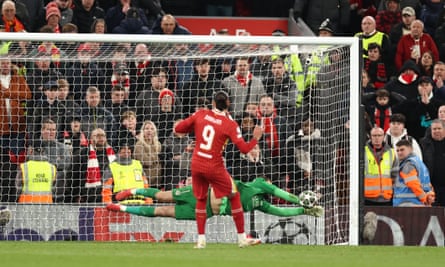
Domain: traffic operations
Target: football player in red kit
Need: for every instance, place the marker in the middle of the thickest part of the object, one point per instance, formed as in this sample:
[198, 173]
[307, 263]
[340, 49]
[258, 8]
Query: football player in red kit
[212, 130]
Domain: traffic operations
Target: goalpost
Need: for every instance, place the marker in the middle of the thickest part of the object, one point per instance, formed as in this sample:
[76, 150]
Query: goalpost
[325, 71]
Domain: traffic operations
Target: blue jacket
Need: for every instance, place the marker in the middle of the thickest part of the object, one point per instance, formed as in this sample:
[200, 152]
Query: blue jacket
[402, 193]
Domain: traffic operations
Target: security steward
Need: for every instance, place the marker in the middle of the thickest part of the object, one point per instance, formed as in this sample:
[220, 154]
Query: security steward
[36, 177]
[125, 173]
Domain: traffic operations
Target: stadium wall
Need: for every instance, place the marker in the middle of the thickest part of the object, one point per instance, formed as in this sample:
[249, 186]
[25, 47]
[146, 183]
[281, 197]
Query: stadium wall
[60, 222]
[409, 226]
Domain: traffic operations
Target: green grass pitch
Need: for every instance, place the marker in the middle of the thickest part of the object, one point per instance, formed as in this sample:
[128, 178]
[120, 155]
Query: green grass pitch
[67, 254]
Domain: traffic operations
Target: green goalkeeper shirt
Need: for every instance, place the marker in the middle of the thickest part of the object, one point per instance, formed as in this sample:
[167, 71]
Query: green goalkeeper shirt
[253, 198]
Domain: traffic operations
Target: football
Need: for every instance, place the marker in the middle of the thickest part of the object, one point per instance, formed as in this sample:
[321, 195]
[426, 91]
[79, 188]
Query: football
[308, 198]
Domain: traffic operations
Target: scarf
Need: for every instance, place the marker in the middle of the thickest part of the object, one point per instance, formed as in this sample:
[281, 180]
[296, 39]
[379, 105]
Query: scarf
[93, 171]
[13, 25]
[125, 83]
[141, 66]
[54, 51]
[244, 80]
[271, 129]
[382, 117]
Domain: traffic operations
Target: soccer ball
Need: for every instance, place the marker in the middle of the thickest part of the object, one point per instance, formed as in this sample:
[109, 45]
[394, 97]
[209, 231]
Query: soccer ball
[308, 198]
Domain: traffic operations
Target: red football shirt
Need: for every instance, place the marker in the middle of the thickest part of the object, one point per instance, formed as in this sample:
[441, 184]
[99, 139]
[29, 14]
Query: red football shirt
[213, 129]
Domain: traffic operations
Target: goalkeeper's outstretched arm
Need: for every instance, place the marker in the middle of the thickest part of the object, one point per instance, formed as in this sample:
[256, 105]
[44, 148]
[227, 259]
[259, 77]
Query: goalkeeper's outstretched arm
[275, 191]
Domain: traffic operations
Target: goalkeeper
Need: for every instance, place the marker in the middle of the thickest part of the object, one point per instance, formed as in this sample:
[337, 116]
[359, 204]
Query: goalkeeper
[253, 197]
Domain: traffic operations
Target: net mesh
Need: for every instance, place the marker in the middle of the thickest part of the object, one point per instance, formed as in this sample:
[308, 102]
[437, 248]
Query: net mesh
[76, 104]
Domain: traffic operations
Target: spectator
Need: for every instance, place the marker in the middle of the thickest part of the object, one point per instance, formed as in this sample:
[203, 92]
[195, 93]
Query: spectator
[422, 110]
[127, 131]
[359, 10]
[176, 156]
[388, 17]
[433, 149]
[69, 47]
[74, 137]
[397, 132]
[132, 24]
[84, 14]
[202, 85]
[439, 38]
[94, 116]
[261, 64]
[116, 104]
[36, 177]
[47, 108]
[77, 140]
[53, 17]
[413, 45]
[125, 14]
[275, 134]
[60, 155]
[367, 85]
[283, 90]
[121, 78]
[66, 13]
[303, 150]
[379, 105]
[66, 98]
[370, 34]
[400, 29]
[378, 73]
[412, 188]
[429, 15]
[438, 78]
[41, 73]
[28, 11]
[315, 11]
[147, 150]
[84, 72]
[13, 94]
[180, 66]
[147, 101]
[140, 67]
[243, 87]
[10, 20]
[124, 173]
[99, 26]
[167, 24]
[168, 114]
[426, 64]
[381, 168]
[100, 155]
[406, 82]
[50, 48]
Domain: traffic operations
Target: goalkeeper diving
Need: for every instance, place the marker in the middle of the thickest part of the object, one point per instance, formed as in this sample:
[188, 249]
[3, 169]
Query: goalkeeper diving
[253, 197]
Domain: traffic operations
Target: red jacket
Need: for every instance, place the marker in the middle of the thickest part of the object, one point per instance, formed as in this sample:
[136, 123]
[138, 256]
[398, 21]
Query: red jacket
[405, 46]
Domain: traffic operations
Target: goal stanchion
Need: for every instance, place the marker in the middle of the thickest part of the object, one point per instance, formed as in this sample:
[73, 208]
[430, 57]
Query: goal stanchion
[304, 92]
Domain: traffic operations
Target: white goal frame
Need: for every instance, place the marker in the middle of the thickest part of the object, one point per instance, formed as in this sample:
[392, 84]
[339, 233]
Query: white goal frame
[354, 80]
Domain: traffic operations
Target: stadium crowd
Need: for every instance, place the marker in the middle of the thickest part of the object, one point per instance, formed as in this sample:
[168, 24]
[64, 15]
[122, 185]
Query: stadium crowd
[77, 116]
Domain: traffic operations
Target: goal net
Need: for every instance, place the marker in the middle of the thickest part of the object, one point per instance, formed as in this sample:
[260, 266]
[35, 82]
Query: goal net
[71, 103]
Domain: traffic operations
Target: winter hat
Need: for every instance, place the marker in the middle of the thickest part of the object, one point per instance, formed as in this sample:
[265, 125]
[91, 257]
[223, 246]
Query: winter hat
[164, 92]
[52, 10]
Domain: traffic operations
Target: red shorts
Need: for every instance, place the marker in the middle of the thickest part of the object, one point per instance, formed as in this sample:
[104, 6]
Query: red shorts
[219, 179]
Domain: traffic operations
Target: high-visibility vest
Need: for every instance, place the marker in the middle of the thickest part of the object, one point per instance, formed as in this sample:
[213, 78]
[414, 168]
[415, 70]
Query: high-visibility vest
[293, 66]
[378, 181]
[37, 179]
[376, 38]
[403, 193]
[127, 176]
